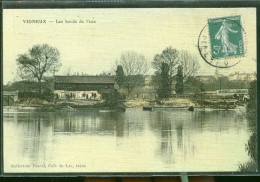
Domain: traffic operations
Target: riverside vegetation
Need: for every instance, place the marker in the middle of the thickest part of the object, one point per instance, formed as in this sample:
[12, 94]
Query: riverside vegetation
[174, 72]
[251, 145]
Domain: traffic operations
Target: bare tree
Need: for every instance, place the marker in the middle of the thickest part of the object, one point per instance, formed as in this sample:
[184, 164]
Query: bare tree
[135, 66]
[189, 64]
[38, 62]
[105, 73]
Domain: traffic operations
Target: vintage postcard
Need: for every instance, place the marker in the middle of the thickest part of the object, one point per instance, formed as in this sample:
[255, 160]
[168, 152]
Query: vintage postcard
[129, 90]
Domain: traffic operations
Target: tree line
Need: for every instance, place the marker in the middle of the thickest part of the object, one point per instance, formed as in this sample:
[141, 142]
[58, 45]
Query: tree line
[174, 70]
[171, 66]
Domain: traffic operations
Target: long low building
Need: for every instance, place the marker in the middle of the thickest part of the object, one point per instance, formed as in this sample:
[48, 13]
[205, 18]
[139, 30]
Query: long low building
[83, 87]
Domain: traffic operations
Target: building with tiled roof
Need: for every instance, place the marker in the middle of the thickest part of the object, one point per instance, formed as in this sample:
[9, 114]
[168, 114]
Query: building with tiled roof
[87, 84]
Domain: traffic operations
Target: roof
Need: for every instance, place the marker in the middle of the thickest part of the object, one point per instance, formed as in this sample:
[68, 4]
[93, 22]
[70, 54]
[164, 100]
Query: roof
[85, 79]
[10, 93]
[206, 76]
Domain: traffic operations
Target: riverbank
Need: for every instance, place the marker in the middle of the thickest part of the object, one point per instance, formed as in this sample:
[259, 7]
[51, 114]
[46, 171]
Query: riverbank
[77, 105]
[174, 102]
[97, 104]
[64, 106]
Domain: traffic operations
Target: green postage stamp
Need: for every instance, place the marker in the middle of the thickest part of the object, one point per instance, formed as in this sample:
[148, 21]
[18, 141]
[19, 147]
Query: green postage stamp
[226, 37]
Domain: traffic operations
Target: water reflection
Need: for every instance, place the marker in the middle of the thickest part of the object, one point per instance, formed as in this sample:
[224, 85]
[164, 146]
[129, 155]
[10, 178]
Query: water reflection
[169, 140]
[109, 123]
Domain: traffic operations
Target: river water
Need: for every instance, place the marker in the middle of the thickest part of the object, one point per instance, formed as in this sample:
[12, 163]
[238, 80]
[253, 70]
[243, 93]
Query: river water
[134, 141]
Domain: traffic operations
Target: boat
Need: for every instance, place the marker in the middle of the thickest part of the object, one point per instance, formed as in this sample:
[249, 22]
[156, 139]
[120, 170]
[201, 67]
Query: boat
[147, 108]
[191, 108]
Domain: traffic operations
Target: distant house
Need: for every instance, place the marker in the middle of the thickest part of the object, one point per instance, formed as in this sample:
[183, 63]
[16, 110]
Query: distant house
[241, 76]
[83, 87]
[148, 80]
[206, 79]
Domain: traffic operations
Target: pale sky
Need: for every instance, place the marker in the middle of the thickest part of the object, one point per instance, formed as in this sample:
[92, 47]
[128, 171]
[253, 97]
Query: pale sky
[94, 47]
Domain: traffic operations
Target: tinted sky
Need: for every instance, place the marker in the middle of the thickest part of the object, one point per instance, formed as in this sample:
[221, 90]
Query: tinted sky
[94, 47]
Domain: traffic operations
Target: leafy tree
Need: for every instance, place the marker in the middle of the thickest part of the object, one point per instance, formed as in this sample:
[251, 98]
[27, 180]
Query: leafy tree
[175, 59]
[134, 67]
[40, 60]
[120, 76]
[114, 101]
[165, 65]
[179, 81]
[168, 56]
[164, 90]
[251, 106]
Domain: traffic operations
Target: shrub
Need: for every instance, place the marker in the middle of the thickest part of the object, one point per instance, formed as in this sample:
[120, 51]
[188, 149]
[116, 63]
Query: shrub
[114, 101]
[47, 96]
